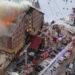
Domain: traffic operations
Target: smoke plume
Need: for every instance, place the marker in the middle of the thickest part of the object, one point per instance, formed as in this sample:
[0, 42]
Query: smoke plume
[3, 29]
[9, 11]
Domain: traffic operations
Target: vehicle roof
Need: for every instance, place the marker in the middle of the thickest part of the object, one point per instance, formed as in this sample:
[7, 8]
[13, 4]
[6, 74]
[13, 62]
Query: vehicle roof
[70, 65]
[66, 54]
[56, 65]
[62, 58]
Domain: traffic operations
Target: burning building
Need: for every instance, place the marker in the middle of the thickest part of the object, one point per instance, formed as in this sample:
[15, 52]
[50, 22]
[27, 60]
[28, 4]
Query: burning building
[15, 21]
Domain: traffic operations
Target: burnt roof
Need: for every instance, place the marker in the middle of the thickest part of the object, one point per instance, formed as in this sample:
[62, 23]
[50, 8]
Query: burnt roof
[30, 10]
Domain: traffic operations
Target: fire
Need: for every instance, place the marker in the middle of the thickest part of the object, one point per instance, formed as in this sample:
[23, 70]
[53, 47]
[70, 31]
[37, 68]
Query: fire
[13, 17]
[8, 21]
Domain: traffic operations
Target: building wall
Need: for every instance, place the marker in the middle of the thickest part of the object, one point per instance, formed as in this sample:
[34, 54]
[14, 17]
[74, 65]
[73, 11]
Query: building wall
[38, 20]
[4, 41]
[28, 21]
[71, 18]
[18, 36]
[32, 20]
[73, 10]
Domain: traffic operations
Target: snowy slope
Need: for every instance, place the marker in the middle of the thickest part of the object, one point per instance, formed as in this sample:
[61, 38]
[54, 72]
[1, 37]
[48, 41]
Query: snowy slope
[56, 9]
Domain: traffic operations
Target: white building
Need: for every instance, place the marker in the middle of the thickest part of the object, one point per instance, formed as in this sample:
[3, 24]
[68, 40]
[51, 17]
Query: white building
[72, 17]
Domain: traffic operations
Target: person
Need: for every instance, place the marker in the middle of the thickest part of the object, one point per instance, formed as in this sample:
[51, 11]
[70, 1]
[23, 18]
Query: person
[51, 72]
[65, 73]
[26, 73]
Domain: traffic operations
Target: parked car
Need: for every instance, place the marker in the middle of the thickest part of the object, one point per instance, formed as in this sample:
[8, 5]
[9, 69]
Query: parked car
[49, 59]
[16, 69]
[70, 67]
[44, 63]
[52, 56]
[66, 55]
[32, 73]
[19, 64]
[38, 68]
[59, 49]
[64, 43]
[60, 61]
[56, 52]
[71, 73]
[55, 67]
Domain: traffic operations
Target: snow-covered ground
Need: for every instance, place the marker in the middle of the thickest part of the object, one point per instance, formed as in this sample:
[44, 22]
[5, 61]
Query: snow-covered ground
[66, 25]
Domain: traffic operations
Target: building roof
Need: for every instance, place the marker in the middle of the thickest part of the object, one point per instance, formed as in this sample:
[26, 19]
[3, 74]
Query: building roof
[37, 9]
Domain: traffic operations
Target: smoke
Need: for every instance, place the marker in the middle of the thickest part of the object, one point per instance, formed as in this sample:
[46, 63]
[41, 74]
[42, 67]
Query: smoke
[3, 29]
[8, 9]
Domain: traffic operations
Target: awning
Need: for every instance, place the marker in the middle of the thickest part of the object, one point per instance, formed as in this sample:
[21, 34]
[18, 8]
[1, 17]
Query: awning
[35, 42]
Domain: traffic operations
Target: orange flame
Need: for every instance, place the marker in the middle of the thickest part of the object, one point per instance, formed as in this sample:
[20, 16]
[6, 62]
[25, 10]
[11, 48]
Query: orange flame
[8, 21]
[13, 18]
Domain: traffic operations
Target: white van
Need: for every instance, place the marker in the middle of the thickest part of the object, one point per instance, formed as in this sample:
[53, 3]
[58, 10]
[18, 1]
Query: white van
[70, 67]
[66, 55]
[55, 66]
[45, 63]
[60, 61]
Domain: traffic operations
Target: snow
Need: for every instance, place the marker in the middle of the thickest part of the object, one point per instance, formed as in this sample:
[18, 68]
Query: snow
[13, 73]
[67, 26]
[53, 9]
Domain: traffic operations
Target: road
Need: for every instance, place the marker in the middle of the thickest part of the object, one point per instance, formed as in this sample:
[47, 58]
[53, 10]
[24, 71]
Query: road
[62, 69]
[49, 67]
